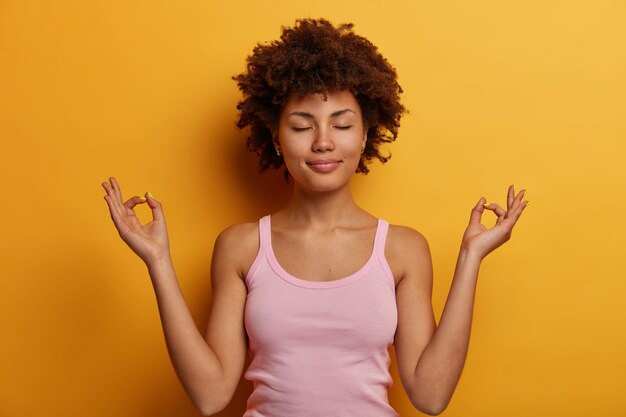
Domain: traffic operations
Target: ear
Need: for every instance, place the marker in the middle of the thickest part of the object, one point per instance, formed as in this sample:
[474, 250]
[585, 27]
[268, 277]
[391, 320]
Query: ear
[364, 141]
[275, 141]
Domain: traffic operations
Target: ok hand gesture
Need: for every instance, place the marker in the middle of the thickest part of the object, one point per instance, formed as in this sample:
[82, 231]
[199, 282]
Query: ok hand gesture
[149, 241]
[481, 240]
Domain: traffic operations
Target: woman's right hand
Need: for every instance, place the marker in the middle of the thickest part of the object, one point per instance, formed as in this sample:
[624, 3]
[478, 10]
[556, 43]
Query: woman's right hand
[149, 241]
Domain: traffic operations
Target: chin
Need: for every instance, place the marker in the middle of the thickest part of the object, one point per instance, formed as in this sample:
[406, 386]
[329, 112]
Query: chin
[321, 185]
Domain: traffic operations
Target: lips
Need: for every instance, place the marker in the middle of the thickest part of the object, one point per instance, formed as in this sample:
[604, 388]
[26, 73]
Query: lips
[324, 165]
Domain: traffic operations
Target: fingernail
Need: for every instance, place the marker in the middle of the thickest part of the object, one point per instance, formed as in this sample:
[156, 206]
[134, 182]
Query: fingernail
[150, 194]
[142, 198]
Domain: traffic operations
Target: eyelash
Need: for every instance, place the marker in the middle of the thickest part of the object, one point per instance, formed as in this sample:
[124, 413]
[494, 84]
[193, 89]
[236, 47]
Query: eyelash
[302, 129]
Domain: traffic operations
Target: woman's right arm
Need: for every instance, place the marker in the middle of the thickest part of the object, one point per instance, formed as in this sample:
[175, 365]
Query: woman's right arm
[208, 369]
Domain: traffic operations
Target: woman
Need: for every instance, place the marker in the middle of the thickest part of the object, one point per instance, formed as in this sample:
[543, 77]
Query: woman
[319, 290]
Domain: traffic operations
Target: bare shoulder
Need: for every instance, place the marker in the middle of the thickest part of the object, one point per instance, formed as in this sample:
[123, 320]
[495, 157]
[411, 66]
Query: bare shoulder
[239, 233]
[238, 245]
[403, 239]
[406, 249]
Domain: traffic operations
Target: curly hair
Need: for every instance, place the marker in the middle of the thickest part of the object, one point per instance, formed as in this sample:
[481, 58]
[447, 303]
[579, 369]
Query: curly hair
[316, 57]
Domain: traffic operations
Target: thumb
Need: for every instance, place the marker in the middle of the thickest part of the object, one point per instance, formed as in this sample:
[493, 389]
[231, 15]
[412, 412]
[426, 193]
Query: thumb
[155, 206]
[477, 211]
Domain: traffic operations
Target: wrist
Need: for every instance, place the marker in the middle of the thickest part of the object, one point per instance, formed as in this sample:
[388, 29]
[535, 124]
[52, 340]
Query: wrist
[470, 254]
[159, 261]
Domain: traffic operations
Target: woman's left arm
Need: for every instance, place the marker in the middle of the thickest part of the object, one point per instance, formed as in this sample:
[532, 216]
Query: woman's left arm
[430, 359]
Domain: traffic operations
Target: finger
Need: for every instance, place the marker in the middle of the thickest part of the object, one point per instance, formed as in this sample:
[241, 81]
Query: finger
[115, 215]
[122, 206]
[499, 211]
[107, 187]
[155, 206]
[518, 211]
[111, 199]
[510, 197]
[477, 211]
[115, 200]
[116, 189]
[514, 215]
[496, 209]
[133, 201]
[518, 198]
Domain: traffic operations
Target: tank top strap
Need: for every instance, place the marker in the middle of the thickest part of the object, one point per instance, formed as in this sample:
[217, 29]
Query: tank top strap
[265, 234]
[379, 252]
[264, 245]
[381, 238]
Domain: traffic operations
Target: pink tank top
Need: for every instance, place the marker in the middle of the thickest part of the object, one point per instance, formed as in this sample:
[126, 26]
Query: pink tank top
[319, 349]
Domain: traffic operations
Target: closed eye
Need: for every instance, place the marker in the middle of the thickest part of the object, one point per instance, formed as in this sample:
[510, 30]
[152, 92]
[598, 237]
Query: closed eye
[343, 127]
[300, 129]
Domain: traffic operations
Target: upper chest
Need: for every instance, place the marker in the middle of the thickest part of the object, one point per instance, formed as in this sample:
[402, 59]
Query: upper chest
[325, 256]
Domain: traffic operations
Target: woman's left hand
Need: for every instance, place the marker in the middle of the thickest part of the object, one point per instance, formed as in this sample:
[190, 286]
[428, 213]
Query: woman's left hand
[481, 240]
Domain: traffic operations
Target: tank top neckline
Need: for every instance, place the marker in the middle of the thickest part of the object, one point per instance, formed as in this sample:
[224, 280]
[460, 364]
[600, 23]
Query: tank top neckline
[266, 237]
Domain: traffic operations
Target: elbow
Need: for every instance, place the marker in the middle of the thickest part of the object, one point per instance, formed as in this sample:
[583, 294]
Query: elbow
[433, 410]
[208, 412]
[210, 408]
[429, 406]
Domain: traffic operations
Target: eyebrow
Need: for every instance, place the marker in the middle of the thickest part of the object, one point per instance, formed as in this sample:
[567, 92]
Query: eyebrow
[310, 116]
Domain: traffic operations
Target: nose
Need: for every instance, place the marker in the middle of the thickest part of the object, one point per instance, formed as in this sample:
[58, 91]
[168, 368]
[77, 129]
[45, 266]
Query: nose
[323, 141]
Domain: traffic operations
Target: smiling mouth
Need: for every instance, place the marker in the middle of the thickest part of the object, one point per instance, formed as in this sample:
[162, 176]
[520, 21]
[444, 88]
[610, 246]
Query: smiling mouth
[323, 166]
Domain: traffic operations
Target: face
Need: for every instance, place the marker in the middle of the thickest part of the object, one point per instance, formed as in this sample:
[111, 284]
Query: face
[321, 141]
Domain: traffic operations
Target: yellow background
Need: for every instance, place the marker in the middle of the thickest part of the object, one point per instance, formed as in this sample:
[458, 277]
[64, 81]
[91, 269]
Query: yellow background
[529, 93]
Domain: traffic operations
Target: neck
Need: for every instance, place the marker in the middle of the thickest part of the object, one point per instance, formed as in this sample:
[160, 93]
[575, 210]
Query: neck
[321, 209]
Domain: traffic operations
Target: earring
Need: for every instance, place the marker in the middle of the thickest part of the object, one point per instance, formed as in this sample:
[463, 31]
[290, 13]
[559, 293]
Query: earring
[275, 144]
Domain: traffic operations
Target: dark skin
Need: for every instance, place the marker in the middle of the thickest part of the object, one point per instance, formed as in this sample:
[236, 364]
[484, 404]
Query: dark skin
[321, 222]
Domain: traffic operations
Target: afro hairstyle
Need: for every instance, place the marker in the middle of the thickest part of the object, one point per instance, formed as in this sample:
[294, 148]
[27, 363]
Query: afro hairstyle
[316, 57]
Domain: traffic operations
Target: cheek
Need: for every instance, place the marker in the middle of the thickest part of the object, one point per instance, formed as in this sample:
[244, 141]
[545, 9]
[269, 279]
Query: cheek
[294, 150]
[293, 158]
[353, 145]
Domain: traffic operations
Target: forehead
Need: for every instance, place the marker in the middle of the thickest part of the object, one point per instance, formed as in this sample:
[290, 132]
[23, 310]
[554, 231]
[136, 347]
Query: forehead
[315, 104]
